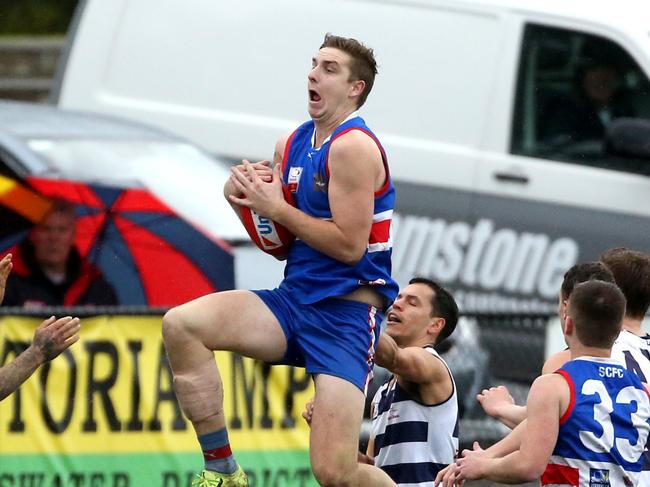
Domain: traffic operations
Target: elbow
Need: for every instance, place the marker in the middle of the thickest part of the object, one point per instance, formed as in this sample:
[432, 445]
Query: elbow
[530, 473]
[381, 359]
[351, 254]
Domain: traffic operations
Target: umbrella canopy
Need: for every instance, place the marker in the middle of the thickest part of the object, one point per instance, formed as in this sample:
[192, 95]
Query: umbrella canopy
[148, 253]
[20, 208]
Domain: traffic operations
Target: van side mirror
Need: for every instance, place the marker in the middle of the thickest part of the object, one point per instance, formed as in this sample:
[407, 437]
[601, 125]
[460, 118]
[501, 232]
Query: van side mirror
[628, 138]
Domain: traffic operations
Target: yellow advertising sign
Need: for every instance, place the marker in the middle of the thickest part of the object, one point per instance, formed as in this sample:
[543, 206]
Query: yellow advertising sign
[112, 393]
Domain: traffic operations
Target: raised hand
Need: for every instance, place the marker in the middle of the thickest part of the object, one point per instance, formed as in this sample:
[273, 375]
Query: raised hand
[494, 400]
[54, 336]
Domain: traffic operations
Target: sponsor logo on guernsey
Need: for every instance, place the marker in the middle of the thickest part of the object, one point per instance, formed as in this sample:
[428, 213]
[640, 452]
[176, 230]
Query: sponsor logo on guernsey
[294, 178]
[320, 183]
[599, 477]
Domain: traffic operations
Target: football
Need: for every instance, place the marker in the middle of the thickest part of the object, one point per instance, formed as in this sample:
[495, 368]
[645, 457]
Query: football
[269, 236]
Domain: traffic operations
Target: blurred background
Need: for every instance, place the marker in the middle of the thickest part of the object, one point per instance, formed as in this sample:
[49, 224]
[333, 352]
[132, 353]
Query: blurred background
[32, 36]
[134, 176]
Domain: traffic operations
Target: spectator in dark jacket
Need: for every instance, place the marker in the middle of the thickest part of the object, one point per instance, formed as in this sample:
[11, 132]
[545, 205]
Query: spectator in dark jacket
[48, 269]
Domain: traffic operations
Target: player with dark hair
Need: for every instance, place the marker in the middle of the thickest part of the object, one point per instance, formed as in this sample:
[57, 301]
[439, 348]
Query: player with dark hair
[497, 401]
[587, 423]
[415, 412]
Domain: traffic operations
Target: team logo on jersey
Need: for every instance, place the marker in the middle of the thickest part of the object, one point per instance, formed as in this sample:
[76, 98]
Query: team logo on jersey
[294, 178]
[599, 477]
[320, 183]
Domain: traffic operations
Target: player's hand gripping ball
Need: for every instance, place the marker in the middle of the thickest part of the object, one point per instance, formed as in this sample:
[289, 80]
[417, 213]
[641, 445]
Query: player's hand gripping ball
[269, 236]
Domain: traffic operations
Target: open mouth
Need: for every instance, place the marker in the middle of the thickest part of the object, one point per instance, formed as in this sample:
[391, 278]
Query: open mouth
[314, 96]
[393, 318]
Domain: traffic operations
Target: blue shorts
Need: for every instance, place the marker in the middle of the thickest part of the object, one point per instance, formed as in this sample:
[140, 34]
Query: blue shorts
[333, 336]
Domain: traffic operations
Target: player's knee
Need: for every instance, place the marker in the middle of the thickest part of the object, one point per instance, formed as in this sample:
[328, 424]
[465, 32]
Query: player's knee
[173, 324]
[330, 474]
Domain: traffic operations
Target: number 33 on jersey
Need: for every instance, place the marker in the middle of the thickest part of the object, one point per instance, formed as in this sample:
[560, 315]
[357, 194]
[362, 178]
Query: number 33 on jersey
[604, 430]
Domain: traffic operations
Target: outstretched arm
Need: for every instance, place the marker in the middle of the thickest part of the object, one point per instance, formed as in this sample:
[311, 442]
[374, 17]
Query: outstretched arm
[5, 269]
[498, 403]
[545, 405]
[413, 364]
[50, 339]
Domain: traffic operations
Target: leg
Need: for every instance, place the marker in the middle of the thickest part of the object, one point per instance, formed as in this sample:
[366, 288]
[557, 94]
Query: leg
[237, 321]
[334, 439]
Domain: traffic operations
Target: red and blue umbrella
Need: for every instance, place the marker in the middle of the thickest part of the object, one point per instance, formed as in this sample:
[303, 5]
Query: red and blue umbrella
[147, 252]
[20, 208]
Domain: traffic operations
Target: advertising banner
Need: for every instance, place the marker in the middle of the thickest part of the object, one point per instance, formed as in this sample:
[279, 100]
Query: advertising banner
[103, 414]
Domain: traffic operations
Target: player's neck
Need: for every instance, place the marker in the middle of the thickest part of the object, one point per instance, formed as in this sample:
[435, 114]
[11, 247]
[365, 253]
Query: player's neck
[633, 325]
[579, 350]
[326, 126]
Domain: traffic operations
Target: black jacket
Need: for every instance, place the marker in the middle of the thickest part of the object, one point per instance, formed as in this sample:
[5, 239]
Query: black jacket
[28, 285]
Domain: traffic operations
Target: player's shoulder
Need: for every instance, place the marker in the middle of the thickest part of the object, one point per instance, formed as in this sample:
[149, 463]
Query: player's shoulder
[355, 152]
[353, 143]
[439, 371]
[549, 382]
[281, 143]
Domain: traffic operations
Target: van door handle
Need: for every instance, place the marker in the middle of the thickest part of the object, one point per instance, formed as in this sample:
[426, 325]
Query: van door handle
[508, 177]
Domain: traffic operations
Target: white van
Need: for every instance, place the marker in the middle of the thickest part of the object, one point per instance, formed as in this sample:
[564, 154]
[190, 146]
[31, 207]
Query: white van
[494, 114]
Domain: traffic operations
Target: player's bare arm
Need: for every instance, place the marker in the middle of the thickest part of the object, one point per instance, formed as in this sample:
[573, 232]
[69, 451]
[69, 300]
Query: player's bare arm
[449, 476]
[416, 366]
[356, 171]
[50, 339]
[498, 403]
[5, 269]
[547, 400]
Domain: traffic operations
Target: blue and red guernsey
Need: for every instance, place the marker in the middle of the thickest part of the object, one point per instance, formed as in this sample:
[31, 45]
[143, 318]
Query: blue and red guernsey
[311, 275]
[603, 433]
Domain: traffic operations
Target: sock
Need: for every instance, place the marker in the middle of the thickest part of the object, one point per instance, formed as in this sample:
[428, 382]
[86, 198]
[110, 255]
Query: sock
[216, 452]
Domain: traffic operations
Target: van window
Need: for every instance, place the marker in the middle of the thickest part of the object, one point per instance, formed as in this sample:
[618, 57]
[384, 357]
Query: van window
[571, 86]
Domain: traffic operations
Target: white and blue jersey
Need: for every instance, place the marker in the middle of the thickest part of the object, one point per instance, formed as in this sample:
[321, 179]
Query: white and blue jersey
[604, 430]
[633, 352]
[310, 275]
[413, 441]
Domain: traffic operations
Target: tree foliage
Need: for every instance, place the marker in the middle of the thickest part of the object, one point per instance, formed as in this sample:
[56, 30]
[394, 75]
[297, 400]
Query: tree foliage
[35, 17]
